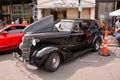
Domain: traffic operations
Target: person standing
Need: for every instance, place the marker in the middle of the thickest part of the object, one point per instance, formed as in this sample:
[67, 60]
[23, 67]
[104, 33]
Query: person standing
[0, 23]
[118, 37]
[3, 23]
[117, 24]
[102, 27]
[17, 21]
[24, 22]
[102, 24]
[12, 22]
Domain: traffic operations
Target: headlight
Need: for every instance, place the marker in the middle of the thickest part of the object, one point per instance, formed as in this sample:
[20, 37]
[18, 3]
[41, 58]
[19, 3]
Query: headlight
[34, 41]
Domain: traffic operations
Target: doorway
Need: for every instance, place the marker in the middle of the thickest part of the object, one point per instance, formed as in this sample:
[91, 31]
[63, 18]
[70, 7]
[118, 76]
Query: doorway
[118, 5]
[59, 13]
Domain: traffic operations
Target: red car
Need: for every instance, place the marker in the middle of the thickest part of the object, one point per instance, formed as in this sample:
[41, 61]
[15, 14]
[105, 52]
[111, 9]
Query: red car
[11, 37]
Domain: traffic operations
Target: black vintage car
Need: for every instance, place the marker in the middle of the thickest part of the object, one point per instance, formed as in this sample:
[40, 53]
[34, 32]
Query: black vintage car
[50, 43]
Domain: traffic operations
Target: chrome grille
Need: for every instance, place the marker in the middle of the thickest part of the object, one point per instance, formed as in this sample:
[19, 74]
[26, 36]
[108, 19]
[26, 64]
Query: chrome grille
[27, 43]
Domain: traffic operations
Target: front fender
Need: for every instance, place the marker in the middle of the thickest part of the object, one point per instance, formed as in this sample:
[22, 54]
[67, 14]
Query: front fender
[45, 51]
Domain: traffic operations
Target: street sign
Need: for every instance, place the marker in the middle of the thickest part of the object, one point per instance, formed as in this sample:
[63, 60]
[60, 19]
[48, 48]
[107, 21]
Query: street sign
[80, 7]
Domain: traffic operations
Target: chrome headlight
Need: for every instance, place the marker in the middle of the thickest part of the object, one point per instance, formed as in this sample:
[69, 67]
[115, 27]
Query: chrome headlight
[34, 41]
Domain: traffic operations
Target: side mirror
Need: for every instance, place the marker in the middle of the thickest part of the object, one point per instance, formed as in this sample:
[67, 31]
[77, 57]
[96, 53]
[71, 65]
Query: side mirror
[4, 32]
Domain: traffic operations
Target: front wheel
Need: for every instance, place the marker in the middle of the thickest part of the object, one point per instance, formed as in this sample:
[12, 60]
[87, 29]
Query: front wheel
[53, 62]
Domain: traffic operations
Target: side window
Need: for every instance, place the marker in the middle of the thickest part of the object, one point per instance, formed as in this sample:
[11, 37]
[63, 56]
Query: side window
[84, 25]
[96, 25]
[10, 28]
[93, 25]
[20, 27]
[76, 28]
[16, 29]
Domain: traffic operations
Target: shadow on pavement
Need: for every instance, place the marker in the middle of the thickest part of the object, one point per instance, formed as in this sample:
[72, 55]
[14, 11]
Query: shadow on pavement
[66, 70]
[6, 56]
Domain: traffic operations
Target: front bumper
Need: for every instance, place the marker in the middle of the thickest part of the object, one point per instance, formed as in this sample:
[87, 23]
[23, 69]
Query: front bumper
[20, 59]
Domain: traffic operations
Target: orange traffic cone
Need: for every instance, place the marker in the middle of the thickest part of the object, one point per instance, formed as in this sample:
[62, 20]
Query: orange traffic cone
[104, 51]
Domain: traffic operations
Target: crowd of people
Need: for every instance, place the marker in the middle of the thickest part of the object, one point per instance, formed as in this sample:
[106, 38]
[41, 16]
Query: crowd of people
[117, 24]
[2, 24]
[17, 21]
[115, 30]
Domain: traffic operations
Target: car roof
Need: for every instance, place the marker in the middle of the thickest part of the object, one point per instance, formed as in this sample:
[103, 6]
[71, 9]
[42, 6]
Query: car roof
[17, 25]
[9, 25]
[81, 19]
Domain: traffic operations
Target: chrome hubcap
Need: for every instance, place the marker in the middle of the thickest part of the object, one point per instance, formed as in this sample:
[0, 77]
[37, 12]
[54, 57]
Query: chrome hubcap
[97, 45]
[56, 61]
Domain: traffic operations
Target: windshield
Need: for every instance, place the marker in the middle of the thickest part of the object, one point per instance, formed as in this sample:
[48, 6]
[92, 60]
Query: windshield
[4, 28]
[64, 25]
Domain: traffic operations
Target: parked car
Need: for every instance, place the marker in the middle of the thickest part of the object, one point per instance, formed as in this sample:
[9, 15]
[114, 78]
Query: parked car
[11, 36]
[49, 44]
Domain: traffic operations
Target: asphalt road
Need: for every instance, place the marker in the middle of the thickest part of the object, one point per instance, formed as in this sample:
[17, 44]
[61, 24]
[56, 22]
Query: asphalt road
[90, 66]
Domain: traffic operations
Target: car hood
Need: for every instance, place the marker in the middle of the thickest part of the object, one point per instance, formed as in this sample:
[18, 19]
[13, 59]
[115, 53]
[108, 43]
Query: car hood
[42, 25]
[49, 34]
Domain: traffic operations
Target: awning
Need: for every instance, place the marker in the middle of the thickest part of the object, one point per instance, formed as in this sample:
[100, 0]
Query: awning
[62, 4]
[115, 13]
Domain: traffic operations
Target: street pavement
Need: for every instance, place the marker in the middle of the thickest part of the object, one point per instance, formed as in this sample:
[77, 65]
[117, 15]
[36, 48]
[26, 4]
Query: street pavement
[90, 66]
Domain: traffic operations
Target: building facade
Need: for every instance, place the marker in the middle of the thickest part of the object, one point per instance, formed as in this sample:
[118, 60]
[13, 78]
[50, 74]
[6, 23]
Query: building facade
[66, 9]
[104, 7]
[12, 9]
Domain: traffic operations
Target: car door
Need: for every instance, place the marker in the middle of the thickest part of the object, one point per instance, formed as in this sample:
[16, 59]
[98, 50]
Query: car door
[77, 38]
[6, 41]
[18, 34]
[93, 29]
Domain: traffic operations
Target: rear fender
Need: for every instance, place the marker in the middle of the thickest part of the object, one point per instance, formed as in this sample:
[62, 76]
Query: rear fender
[45, 51]
[97, 37]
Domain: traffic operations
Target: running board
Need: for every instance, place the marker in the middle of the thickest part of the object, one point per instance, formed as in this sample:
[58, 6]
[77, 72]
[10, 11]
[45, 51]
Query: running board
[77, 54]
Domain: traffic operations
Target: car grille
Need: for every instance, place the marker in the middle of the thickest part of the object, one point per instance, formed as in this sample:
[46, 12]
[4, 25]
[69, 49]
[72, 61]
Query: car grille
[27, 43]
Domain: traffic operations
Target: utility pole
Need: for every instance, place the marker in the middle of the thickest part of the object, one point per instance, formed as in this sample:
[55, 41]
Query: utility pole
[35, 13]
[79, 5]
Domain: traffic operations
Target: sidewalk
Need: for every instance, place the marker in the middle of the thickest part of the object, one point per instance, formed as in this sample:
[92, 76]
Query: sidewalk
[111, 41]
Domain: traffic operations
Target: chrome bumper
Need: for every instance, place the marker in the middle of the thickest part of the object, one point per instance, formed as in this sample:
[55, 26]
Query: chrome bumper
[19, 59]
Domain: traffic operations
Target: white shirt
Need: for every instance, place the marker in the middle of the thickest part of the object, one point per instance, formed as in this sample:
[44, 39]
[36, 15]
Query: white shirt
[117, 24]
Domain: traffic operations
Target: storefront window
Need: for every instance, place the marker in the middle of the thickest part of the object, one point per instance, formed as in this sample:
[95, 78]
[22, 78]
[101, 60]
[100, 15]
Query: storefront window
[46, 12]
[28, 13]
[17, 8]
[104, 9]
[10, 12]
[28, 18]
[27, 9]
[6, 9]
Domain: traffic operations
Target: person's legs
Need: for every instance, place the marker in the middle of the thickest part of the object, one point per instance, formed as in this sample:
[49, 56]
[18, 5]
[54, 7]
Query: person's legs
[118, 42]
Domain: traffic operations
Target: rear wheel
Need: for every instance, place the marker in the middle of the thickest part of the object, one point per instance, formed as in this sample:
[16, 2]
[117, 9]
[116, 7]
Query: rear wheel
[53, 62]
[97, 45]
